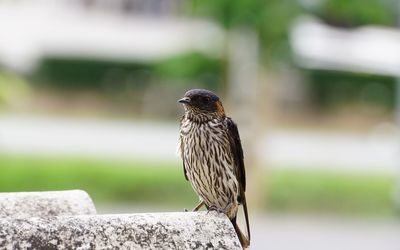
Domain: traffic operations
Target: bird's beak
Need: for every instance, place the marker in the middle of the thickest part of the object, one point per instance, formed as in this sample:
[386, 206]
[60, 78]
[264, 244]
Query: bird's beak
[185, 100]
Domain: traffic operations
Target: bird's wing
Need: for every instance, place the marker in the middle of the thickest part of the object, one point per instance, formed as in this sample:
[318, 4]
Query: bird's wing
[181, 152]
[237, 152]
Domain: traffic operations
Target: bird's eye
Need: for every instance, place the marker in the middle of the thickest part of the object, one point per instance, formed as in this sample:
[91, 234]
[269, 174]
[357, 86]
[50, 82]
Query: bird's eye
[206, 99]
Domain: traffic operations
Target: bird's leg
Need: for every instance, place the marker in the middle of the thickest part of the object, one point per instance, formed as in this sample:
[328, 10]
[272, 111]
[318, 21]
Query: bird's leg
[198, 206]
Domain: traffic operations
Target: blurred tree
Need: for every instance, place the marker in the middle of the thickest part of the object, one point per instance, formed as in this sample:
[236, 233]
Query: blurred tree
[189, 67]
[352, 13]
[270, 19]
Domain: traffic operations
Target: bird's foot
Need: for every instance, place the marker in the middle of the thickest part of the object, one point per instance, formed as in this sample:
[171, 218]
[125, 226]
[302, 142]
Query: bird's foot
[216, 209]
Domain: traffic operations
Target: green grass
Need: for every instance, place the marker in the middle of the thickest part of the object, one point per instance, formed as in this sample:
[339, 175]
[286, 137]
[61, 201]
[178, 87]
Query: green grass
[316, 191]
[103, 180]
[164, 184]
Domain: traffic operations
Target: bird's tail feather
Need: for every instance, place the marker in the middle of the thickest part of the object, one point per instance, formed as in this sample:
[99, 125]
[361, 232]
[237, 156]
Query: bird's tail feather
[244, 241]
[246, 217]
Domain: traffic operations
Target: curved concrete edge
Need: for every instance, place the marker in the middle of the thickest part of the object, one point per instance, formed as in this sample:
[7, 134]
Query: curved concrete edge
[184, 230]
[39, 204]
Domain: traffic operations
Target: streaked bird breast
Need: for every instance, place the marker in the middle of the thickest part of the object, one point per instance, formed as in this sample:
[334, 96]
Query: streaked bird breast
[209, 163]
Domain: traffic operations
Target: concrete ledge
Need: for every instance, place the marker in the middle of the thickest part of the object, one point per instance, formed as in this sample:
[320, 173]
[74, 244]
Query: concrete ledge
[39, 204]
[185, 230]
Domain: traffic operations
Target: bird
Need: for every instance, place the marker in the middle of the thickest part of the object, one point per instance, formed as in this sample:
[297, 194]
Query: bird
[212, 156]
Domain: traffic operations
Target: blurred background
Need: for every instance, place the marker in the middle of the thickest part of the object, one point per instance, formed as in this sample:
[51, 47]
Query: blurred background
[88, 92]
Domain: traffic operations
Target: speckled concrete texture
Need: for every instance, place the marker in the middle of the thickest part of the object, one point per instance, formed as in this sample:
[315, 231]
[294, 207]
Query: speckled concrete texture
[185, 230]
[39, 204]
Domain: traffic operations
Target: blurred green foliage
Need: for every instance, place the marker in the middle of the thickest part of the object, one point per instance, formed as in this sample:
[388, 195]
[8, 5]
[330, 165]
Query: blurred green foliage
[273, 17]
[163, 184]
[330, 89]
[193, 66]
[13, 88]
[318, 191]
[78, 74]
[139, 182]
[270, 19]
[353, 13]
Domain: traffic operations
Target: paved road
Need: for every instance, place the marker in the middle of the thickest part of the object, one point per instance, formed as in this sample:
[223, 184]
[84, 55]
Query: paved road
[319, 233]
[377, 151]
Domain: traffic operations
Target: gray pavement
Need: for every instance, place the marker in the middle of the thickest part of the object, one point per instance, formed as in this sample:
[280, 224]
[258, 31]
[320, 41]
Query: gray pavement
[324, 233]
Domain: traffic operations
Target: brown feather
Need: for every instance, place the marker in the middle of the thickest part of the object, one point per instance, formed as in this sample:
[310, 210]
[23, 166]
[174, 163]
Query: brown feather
[182, 150]
[237, 151]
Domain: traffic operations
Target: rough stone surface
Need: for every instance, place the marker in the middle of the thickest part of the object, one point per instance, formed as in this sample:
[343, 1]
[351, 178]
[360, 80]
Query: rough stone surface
[184, 230]
[39, 204]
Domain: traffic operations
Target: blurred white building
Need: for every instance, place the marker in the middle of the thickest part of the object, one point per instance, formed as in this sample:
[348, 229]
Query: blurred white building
[370, 49]
[109, 30]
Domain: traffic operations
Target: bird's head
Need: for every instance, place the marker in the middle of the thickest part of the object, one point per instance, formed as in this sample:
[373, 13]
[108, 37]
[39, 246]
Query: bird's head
[203, 104]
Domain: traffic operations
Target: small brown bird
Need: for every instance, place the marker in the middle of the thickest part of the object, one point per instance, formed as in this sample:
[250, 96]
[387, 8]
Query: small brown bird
[212, 156]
